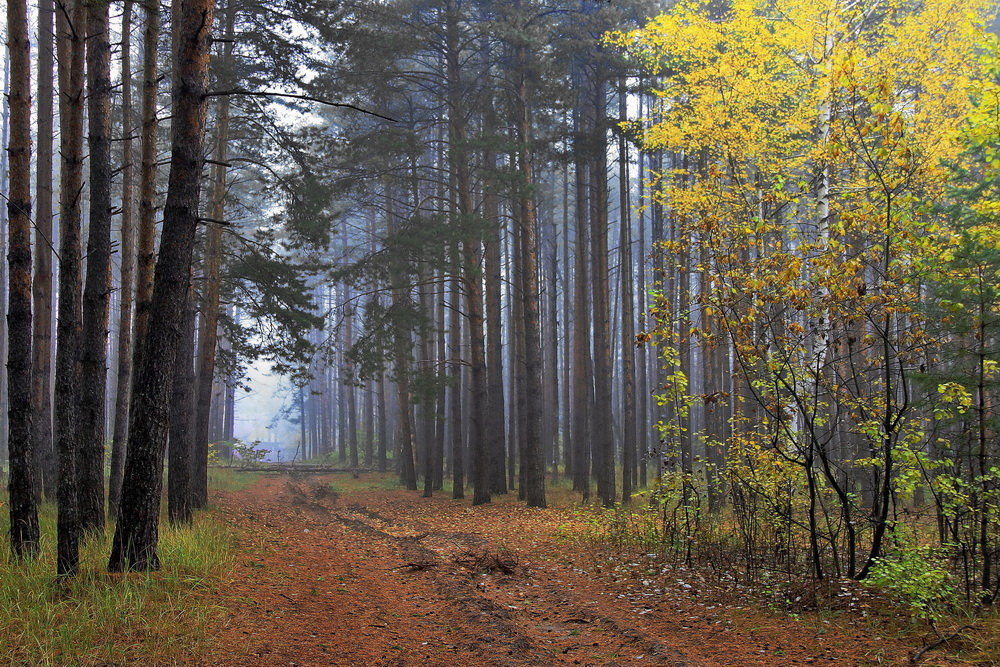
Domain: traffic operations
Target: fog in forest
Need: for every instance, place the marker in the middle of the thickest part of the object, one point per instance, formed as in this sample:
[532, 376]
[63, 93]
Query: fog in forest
[478, 332]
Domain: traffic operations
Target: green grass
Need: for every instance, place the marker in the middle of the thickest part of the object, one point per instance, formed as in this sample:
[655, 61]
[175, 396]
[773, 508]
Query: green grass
[230, 479]
[103, 619]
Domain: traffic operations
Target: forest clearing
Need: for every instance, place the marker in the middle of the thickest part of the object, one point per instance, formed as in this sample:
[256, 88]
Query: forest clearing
[466, 332]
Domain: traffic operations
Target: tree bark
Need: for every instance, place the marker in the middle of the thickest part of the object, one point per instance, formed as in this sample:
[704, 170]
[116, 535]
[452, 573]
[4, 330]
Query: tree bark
[146, 232]
[383, 421]
[21, 482]
[41, 372]
[472, 275]
[401, 359]
[128, 266]
[534, 460]
[583, 392]
[604, 446]
[71, 29]
[455, 373]
[146, 256]
[181, 465]
[495, 427]
[97, 287]
[208, 335]
[628, 313]
[136, 534]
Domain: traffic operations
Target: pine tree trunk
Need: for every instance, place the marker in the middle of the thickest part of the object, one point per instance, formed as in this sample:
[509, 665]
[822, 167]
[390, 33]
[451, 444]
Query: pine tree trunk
[351, 389]
[4, 283]
[534, 459]
[136, 534]
[41, 372]
[146, 257]
[383, 423]
[369, 425]
[472, 275]
[71, 24]
[208, 335]
[128, 266]
[603, 437]
[441, 355]
[550, 348]
[518, 363]
[495, 427]
[180, 463]
[513, 392]
[401, 359]
[146, 234]
[628, 314]
[642, 367]
[583, 391]
[97, 287]
[455, 372]
[567, 317]
[21, 482]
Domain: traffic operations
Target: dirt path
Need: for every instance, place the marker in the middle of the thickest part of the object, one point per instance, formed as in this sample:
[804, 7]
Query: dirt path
[369, 576]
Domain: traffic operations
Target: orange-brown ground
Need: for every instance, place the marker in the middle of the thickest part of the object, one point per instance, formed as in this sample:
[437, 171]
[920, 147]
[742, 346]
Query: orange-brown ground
[377, 576]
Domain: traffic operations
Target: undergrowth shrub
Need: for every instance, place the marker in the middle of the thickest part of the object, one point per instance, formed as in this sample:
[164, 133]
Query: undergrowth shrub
[917, 577]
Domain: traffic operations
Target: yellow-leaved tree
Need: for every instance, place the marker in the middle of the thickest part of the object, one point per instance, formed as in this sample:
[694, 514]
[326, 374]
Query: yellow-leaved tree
[812, 139]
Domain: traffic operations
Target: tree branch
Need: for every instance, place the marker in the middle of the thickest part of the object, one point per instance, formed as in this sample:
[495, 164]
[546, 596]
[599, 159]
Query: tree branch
[294, 96]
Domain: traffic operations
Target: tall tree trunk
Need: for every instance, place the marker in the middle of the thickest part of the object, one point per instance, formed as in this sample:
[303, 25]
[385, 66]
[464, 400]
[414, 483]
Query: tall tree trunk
[146, 255]
[534, 460]
[455, 374]
[383, 422]
[369, 423]
[41, 372]
[4, 284]
[628, 314]
[642, 367]
[518, 362]
[208, 335]
[551, 346]
[604, 445]
[146, 231]
[514, 411]
[583, 392]
[401, 359]
[21, 482]
[180, 452]
[128, 266]
[472, 275]
[567, 317]
[441, 355]
[350, 388]
[97, 287]
[71, 29]
[494, 321]
[136, 534]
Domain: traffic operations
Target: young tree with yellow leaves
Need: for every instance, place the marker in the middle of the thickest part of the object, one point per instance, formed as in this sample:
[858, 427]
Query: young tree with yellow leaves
[816, 135]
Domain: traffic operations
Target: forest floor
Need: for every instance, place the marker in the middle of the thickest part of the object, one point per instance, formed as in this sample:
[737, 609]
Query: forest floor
[341, 571]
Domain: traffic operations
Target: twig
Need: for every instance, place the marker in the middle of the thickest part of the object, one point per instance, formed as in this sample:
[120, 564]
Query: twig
[944, 640]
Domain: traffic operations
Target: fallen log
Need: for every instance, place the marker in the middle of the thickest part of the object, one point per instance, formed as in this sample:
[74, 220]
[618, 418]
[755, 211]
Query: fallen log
[296, 468]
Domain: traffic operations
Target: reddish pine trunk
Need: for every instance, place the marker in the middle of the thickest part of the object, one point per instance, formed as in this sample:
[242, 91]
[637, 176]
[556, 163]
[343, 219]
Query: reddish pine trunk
[209, 324]
[41, 375]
